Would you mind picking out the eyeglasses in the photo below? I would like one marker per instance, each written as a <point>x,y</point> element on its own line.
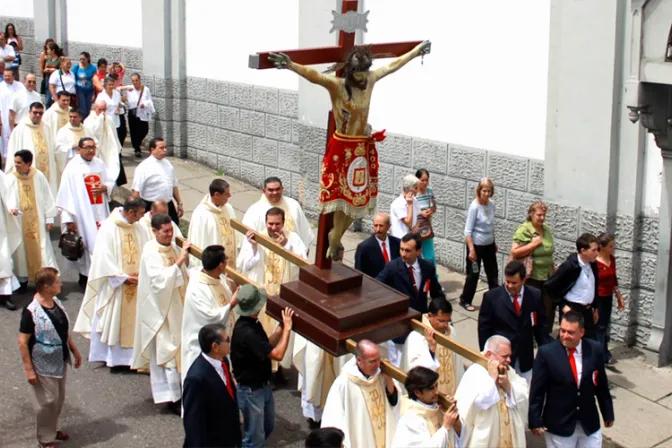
<point>88,148</point>
<point>36,113</point>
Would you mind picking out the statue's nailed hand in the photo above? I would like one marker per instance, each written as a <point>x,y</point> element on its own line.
<point>425,47</point>
<point>280,60</point>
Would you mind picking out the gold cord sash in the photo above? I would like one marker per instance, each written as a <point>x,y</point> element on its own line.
<point>226,234</point>
<point>374,396</point>
<point>30,223</point>
<point>130,264</point>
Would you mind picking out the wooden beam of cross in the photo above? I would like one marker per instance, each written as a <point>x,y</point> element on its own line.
<point>327,55</point>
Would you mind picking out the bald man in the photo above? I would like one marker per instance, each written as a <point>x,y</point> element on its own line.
<point>21,101</point>
<point>158,207</point>
<point>375,252</point>
<point>355,403</point>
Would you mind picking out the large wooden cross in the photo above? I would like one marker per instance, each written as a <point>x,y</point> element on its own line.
<point>327,55</point>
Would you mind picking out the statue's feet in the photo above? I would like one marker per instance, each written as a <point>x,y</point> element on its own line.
<point>336,253</point>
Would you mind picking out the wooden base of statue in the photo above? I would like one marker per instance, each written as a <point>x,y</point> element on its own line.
<point>337,304</point>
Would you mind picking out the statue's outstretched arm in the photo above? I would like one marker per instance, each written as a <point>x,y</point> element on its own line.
<point>421,49</point>
<point>282,61</point>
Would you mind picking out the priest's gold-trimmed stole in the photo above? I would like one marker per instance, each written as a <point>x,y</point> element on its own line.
<point>169,256</point>
<point>374,395</point>
<point>446,371</point>
<point>30,222</point>
<point>219,293</point>
<point>226,233</point>
<point>130,264</point>
<point>41,150</point>
<point>289,225</point>
<point>505,427</point>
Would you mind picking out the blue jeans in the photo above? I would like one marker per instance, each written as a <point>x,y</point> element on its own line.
<point>428,252</point>
<point>258,410</point>
<point>84,99</point>
<point>604,306</point>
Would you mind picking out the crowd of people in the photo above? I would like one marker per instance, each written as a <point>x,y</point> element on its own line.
<point>212,353</point>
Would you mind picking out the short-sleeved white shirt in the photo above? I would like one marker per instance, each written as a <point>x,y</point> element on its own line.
<point>154,179</point>
<point>20,103</point>
<point>398,211</point>
<point>8,50</point>
<point>112,105</point>
<point>68,81</point>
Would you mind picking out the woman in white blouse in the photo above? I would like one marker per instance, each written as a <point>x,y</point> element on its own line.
<point>64,80</point>
<point>140,110</point>
<point>112,98</point>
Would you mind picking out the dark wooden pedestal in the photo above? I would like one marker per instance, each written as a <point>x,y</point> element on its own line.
<point>333,305</point>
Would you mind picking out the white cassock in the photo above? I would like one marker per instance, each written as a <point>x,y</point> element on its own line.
<point>20,103</point>
<point>207,302</point>
<point>69,136</point>
<point>77,204</point>
<point>211,225</point>
<point>295,219</point>
<point>31,195</point>
<point>7,91</point>
<point>445,362</point>
<point>421,425</point>
<point>36,139</point>
<point>107,142</point>
<point>359,407</point>
<point>146,224</point>
<point>56,118</point>
<point>270,270</point>
<point>491,417</point>
<point>158,326</point>
<point>108,310</point>
<point>10,238</point>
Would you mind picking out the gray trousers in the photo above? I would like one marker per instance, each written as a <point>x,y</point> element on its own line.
<point>49,397</point>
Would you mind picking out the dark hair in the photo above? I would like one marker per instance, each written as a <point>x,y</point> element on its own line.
<point>210,334</point>
<point>584,241</point>
<point>440,304</point>
<point>136,74</point>
<point>13,44</point>
<point>420,172</point>
<point>153,143</point>
<point>61,93</point>
<point>45,277</point>
<point>514,267</point>
<point>46,44</point>
<point>25,155</point>
<point>419,379</point>
<point>574,317</point>
<point>87,55</point>
<point>53,46</point>
<point>213,256</point>
<point>218,186</point>
<point>83,140</point>
<point>74,110</point>
<point>413,236</point>
<point>109,79</point>
<point>325,438</point>
<point>36,105</point>
<point>134,203</point>
<point>272,180</point>
<point>605,238</point>
<point>159,220</point>
<point>101,61</point>
<point>275,211</point>
<point>7,30</point>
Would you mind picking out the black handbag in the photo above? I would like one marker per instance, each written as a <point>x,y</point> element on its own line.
<point>71,245</point>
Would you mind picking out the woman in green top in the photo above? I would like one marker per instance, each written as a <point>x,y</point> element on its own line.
<point>534,238</point>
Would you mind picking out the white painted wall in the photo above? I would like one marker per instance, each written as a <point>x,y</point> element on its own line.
<point>222,34</point>
<point>653,173</point>
<point>484,84</point>
<point>100,22</point>
<point>17,8</point>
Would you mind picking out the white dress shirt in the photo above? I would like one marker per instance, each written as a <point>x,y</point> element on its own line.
<point>132,98</point>
<point>217,365</point>
<point>583,291</point>
<point>155,179</point>
<point>68,81</point>
<point>112,105</point>
<point>387,246</point>
<point>416,273</point>
<point>579,361</point>
<point>520,297</point>
<point>398,211</point>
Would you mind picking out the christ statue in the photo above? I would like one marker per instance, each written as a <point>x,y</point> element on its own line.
<point>349,174</point>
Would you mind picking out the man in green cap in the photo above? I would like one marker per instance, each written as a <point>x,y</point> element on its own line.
<point>251,354</point>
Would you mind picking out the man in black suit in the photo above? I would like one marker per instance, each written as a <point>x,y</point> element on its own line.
<point>568,375</point>
<point>575,283</point>
<point>517,313</point>
<point>211,417</point>
<point>374,253</point>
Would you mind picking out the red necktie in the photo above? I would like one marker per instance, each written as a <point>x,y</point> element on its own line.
<point>516,305</point>
<point>386,256</point>
<point>415,287</point>
<point>229,386</point>
<point>572,364</point>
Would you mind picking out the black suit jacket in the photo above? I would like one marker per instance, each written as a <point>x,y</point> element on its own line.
<point>211,416</point>
<point>556,402</point>
<point>564,278</point>
<point>497,316</point>
<point>396,275</point>
<point>369,258</point>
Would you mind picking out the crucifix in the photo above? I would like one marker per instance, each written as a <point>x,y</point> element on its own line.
<point>349,174</point>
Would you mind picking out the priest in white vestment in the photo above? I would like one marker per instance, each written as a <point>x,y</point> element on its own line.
<point>423,350</point>
<point>108,310</point>
<point>158,207</point>
<point>493,402</point>
<point>422,423</point>
<point>29,198</point>
<point>363,402</point>
<point>8,88</point>
<point>208,301</point>
<point>211,222</point>
<point>32,134</point>
<point>103,130</point>
<point>162,286</point>
<point>21,100</point>
<point>56,117</point>
<point>295,218</point>
<point>68,137</point>
<point>269,269</point>
<point>83,200</point>
<point>10,238</point>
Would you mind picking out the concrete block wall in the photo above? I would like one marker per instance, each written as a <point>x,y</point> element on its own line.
<point>130,57</point>
<point>25,28</point>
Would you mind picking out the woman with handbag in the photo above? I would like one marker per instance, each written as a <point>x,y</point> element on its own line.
<point>140,109</point>
<point>63,80</point>
<point>50,61</point>
<point>533,244</point>
<point>427,201</point>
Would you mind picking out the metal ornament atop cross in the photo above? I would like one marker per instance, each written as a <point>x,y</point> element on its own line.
<point>349,22</point>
